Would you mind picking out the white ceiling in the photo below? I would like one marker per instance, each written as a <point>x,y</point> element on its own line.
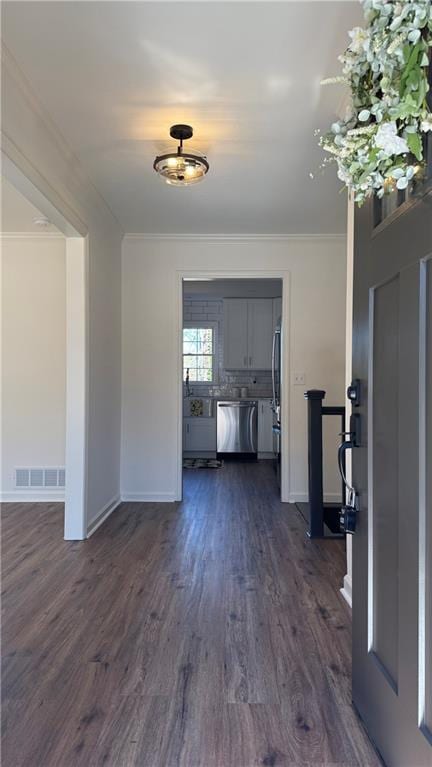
<point>115,76</point>
<point>17,213</point>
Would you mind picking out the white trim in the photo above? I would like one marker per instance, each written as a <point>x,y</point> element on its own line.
<point>77,386</point>
<point>103,514</point>
<point>32,236</point>
<point>346,590</point>
<point>148,497</point>
<point>231,237</point>
<point>32,496</point>
<point>197,274</point>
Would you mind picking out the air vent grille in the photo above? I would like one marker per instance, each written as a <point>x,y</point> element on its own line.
<point>36,477</point>
<point>22,478</point>
<point>40,477</point>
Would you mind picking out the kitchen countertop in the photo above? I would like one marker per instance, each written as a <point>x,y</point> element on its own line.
<point>210,404</point>
<point>228,398</point>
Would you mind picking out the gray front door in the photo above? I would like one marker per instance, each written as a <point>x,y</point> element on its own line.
<point>392,470</point>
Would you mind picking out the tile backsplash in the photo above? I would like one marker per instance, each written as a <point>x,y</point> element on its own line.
<point>258,382</point>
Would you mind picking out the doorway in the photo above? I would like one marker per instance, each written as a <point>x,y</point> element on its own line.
<point>233,359</point>
<point>50,464</point>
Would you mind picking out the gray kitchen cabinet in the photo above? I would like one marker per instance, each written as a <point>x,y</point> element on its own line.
<point>199,435</point>
<point>235,334</point>
<point>265,424</point>
<point>260,333</point>
<point>248,332</point>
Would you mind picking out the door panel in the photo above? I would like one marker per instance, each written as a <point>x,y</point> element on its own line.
<point>392,353</point>
<point>425,467</point>
<point>385,423</point>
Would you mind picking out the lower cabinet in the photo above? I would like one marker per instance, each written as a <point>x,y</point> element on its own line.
<point>265,426</point>
<point>199,435</point>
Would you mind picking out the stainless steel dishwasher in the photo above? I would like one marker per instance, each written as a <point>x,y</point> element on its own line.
<point>237,426</point>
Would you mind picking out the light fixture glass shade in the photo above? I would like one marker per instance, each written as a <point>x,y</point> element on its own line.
<point>181,169</point>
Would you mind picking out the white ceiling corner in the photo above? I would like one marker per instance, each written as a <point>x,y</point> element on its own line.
<point>248,82</point>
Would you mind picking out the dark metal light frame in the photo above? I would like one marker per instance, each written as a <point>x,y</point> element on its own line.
<point>182,133</point>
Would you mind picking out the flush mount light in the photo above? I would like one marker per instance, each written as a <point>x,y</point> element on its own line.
<point>42,221</point>
<point>181,168</point>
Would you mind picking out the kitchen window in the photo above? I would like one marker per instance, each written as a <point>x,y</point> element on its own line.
<point>199,345</point>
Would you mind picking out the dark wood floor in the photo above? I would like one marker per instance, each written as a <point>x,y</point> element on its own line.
<point>205,634</point>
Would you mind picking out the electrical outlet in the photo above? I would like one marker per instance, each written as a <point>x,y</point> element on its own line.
<point>299,379</point>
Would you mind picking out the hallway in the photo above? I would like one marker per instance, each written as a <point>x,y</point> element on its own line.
<point>204,634</point>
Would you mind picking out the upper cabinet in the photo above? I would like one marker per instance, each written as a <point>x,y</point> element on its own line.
<point>235,333</point>
<point>260,333</point>
<point>248,333</point>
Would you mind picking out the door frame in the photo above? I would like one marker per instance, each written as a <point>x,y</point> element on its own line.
<point>425,569</point>
<point>29,182</point>
<point>235,274</point>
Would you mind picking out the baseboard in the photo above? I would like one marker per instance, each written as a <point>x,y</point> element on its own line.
<point>346,590</point>
<point>33,496</point>
<point>304,498</point>
<point>103,514</point>
<point>147,497</point>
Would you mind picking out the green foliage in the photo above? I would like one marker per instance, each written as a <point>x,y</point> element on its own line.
<point>378,145</point>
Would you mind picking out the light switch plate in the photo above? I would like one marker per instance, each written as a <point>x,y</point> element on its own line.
<point>299,379</point>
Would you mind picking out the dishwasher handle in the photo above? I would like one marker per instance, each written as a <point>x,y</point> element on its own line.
<point>237,404</point>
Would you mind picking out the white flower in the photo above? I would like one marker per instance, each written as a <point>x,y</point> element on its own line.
<point>387,139</point>
<point>371,145</point>
<point>426,124</point>
<point>344,176</point>
<point>359,40</point>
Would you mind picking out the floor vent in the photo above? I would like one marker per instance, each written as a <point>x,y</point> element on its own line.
<point>36,477</point>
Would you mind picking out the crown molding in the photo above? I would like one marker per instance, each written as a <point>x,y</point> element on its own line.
<point>234,237</point>
<point>16,154</point>
<point>32,236</point>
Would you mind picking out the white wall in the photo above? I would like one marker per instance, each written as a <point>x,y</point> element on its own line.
<point>32,142</point>
<point>33,357</point>
<point>149,354</point>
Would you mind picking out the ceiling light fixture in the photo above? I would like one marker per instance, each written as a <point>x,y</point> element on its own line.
<point>42,221</point>
<point>181,168</point>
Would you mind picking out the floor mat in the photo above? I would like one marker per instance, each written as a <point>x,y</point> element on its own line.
<point>202,463</point>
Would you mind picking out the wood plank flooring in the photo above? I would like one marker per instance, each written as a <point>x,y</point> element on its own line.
<point>204,634</point>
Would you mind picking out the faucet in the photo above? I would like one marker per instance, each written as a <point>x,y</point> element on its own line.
<point>188,388</point>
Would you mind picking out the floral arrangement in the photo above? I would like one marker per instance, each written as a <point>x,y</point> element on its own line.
<point>379,144</point>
